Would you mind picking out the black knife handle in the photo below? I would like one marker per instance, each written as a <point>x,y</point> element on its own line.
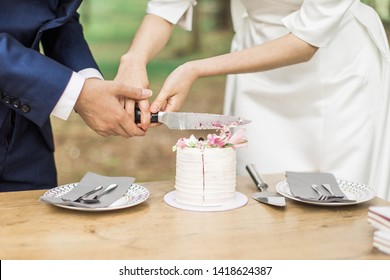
<point>137,116</point>
<point>256,177</point>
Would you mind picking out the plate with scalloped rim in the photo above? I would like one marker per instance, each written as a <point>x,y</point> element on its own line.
<point>135,195</point>
<point>354,191</point>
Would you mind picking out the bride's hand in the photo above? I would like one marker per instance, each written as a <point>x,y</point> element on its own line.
<point>175,89</point>
<point>132,72</point>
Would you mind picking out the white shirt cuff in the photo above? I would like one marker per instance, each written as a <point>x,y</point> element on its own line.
<point>72,91</point>
<point>177,12</point>
<point>91,73</point>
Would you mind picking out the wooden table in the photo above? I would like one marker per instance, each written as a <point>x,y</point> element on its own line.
<point>31,229</point>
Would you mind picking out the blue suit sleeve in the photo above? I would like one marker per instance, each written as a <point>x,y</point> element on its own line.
<point>37,80</point>
<point>66,44</point>
<point>32,78</point>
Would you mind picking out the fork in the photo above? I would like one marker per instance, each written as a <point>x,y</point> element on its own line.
<point>320,195</point>
<point>97,197</point>
<point>323,197</point>
<point>328,188</point>
<point>80,198</point>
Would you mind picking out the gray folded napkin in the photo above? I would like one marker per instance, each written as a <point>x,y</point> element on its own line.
<point>89,182</point>
<point>300,184</point>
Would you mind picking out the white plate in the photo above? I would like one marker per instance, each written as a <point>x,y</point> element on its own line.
<point>354,191</point>
<point>134,196</point>
<point>239,201</point>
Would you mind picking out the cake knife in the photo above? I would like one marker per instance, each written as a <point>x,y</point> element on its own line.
<point>185,120</point>
<point>264,195</point>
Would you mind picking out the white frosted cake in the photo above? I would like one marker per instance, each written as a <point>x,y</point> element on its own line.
<point>206,170</point>
<point>205,177</point>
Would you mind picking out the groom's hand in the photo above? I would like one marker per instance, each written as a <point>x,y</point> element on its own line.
<point>99,106</point>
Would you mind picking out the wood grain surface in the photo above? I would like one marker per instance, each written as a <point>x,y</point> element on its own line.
<point>31,229</point>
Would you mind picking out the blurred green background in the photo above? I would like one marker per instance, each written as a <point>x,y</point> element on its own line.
<point>109,28</point>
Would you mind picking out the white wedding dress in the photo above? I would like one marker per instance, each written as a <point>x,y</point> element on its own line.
<point>329,114</point>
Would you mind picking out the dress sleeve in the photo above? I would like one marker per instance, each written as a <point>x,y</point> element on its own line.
<point>317,21</point>
<point>178,12</point>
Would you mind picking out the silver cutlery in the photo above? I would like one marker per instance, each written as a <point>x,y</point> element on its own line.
<point>329,199</point>
<point>97,197</point>
<point>328,188</point>
<point>80,198</point>
<point>186,120</point>
<point>322,197</point>
<point>264,195</point>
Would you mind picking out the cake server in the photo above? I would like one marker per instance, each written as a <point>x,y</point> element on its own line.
<point>185,120</point>
<point>264,196</point>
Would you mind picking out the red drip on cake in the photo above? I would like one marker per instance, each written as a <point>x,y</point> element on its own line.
<point>203,174</point>
<point>206,169</point>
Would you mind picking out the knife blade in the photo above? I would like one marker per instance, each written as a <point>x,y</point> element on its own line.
<point>185,120</point>
<point>264,196</point>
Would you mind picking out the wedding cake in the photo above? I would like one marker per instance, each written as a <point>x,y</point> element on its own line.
<point>206,169</point>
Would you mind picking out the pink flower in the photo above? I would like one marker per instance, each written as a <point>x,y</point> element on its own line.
<point>181,143</point>
<point>225,139</point>
<point>238,139</point>
<point>221,144</point>
<point>213,140</point>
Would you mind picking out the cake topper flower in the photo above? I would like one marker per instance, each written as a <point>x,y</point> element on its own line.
<point>224,139</point>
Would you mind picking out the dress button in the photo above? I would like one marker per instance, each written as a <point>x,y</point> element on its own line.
<point>16,103</point>
<point>7,99</point>
<point>25,108</point>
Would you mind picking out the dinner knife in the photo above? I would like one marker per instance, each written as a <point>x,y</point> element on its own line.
<point>185,120</point>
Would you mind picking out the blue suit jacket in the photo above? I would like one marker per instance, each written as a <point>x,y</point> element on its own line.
<point>32,83</point>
